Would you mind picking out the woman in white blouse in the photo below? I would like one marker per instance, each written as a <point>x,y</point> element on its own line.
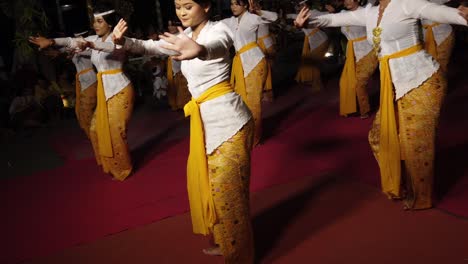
<point>86,85</point>
<point>360,64</point>
<point>115,94</point>
<point>315,46</point>
<point>221,128</point>
<point>411,80</point>
<point>249,68</point>
<point>439,39</point>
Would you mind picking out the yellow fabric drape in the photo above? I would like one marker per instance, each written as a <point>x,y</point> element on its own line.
<point>389,156</point>
<point>430,44</point>
<point>348,80</point>
<point>202,208</point>
<point>102,119</point>
<point>78,90</point>
<point>237,72</point>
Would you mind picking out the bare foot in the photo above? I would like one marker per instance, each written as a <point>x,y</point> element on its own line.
<point>213,251</point>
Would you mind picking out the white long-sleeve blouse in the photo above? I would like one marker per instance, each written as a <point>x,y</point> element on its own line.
<point>223,116</point>
<point>82,61</point>
<point>264,34</point>
<point>361,48</point>
<point>244,30</point>
<point>103,61</point>
<point>400,30</point>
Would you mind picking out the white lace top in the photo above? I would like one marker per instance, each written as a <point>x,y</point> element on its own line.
<point>400,30</point>
<point>263,34</point>
<point>319,37</point>
<point>361,48</point>
<point>223,116</point>
<point>103,61</point>
<point>82,61</point>
<point>244,32</point>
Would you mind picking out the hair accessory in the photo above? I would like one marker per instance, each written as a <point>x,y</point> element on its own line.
<point>104,13</point>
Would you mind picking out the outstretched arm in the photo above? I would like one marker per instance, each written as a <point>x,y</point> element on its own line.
<point>147,47</point>
<point>351,18</point>
<point>435,12</point>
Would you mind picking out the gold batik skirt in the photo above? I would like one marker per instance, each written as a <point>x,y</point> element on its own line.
<point>183,94</point>
<point>254,83</point>
<point>365,67</point>
<point>444,52</point>
<point>229,173</point>
<point>85,111</point>
<point>418,116</point>
<point>119,109</point>
<point>268,87</point>
<point>172,95</point>
<point>309,72</point>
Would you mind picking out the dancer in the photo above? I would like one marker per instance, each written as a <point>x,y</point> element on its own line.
<point>315,46</point>
<point>86,85</point>
<point>360,64</point>
<point>115,94</point>
<point>407,134</point>
<point>249,67</point>
<point>221,130</point>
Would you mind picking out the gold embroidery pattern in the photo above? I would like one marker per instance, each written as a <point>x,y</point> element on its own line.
<point>377,32</point>
<point>229,172</point>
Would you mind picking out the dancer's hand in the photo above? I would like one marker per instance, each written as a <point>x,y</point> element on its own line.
<point>463,12</point>
<point>119,31</point>
<point>182,44</point>
<point>42,42</point>
<point>302,17</point>
<point>254,7</point>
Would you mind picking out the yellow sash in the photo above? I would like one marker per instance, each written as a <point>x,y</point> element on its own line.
<point>237,72</point>
<point>202,207</point>
<point>102,119</point>
<point>430,44</point>
<point>389,150</point>
<point>268,84</point>
<point>78,90</point>
<point>348,80</point>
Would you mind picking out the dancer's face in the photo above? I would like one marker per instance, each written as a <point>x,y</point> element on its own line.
<point>238,8</point>
<point>101,27</point>
<point>351,4</point>
<point>190,13</point>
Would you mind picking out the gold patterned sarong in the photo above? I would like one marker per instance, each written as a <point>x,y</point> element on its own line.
<point>269,53</point>
<point>85,105</point>
<point>365,67</point>
<point>119,109</point>
<point>183,94</point>
<point>444,52</point>
<point>254,86</point>
<point>418,116</point>
<point>229,173</point>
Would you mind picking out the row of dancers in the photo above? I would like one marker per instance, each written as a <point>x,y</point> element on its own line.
<point>225,109</point>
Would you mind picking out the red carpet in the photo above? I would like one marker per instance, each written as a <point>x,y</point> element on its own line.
<point>77,203</point>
